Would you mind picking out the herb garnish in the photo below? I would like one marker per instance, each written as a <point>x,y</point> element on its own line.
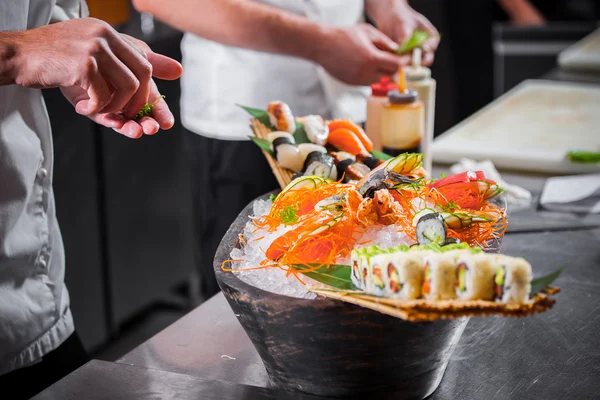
<point>450,206</point>
<point>272,197</point>
<point>289,215</point>
<point>584,156</point>
<point>147,109</point>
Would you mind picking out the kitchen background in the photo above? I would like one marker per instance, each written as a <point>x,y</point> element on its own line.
<point>125,206</point>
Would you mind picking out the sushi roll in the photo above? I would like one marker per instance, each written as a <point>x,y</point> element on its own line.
<point>404,275</point>
<point>307,148</point>
<point>281,116</point>
<point>475,277</point>
<point>512,280</point>
<point>316,129</point>
<point>439,282</point>
<point>377,264</point>
<point>431,229</point>
<point>321,165</point>
<point>285,151</point>
<point>348,167</point>
<point>359,261</point>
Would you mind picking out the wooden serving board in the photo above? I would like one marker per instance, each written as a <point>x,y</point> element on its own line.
<point>531,127</point>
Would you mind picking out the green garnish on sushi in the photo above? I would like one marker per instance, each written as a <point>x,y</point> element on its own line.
<point>590,157</point>
<point>289,215</point>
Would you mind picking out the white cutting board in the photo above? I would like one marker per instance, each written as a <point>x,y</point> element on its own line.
<point>531,127</point>
<point>583,55</point>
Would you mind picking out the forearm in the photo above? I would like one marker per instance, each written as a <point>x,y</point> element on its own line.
<point>515,8</point>
<point>8,55</point>
<point>377,9</point>
<point>242,23</point>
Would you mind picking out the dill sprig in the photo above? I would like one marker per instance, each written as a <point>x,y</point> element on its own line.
<point>147,109</point>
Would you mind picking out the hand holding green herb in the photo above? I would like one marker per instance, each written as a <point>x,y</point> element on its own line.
<point>147,109</point>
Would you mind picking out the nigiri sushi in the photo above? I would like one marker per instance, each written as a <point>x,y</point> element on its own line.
<point>315,128</point>
<point>346,165</point>
<point>307,148</point>
<point>345,140</point>
<point>285,150</point>
<point>281,116</point>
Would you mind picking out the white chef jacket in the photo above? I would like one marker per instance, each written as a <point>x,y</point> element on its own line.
<point>217,77</point>
<point>35,317</point>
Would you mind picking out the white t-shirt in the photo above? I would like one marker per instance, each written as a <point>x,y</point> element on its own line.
<point>217,77</point>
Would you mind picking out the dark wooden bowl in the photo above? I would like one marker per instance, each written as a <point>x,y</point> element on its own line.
<point>329,348</point>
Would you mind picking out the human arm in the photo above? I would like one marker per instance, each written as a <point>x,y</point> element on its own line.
<point>357,55</point>
<point>398,20</point>
<point>522,12</point>
<point>100,71</point>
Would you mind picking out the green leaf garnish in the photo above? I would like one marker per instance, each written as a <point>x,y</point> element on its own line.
<point>443,175</point>
<point>337,276</point>
<point>300,134</point>
<point>591,157</point>
<point>381,155</point>
<point>450,206</point>
<point>289,215</point>
<point>539,284</point>
<point>147,109</point>
<point>272,197</point>
<point>264,144</point>
<point>417,39</point>
<point>261,115</point>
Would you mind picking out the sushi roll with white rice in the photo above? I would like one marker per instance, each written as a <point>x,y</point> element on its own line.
<point>316,129</point>
<point>430,228</point>
<point>281,116</point>
<point>285,150</point>
<point>377,264</point>
<point>321,165</point>
<point>404,275</point>
<point>475,276</point>
<point>356,259</point>
<point>307,148</point>
<point>439,282</point>
<point>512,281</point>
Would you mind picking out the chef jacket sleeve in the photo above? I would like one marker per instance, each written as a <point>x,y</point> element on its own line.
<point>69,9</point>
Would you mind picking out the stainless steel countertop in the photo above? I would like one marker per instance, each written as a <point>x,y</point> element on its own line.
<point>553,355</point>
<point>101,380</point>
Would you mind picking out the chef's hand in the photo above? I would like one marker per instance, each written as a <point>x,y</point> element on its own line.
<point>99,70</point>
<point>359,55</point>
<point>522,12</point>
<point>398,20</point>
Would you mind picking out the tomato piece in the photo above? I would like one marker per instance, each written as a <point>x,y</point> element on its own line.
<point>464,194</point>
<point>463,177</point>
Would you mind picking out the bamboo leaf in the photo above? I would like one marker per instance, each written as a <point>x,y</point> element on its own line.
<point>337,276</point>
<point>381,155</point>
<point>261,115</point>
<point>300,134</point>
<point>590,157</point>
<point>264,144</point>
<point>539,284</point>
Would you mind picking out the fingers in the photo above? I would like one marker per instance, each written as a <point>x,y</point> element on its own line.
<point>434,40</point>
<point>134,59</point>
<point>389,63</point>
<point>126,85</point>
<point>98,92</point>
<point>381,40</point>
<point>164,68</point>
<point>161,112</point>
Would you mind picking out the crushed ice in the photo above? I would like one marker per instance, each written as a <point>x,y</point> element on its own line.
<point>274,279</point>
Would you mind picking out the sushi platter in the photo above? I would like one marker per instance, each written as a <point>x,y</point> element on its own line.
<point>439,259</point>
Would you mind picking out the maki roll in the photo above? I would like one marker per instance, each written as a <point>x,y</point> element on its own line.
<point>404,276</point>
<point>321,165</point>
<point>377,264</point>
<point>348,167</point>
<point>439,282</point>
<point>315,128</point>
<point>281,116</point>
<point>475,277</point>
<point>285,151</point>
<point>356,260</point>
<point>512,280</point>
<point>431,229</point>
<point>307,148</point>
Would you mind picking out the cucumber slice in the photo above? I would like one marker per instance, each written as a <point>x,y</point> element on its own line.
<point>420,214</point>
<point>405,163</point>
<point>328,225</point>
<point>303,182</point>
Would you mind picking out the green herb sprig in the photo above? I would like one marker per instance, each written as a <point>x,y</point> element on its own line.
<point>590,157</point>
<point>418,38</point>
<point>147,109</point>
<point>289,215</point>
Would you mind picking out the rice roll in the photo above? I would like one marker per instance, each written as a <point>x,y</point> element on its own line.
<point>281,116</point>
<point>377,264</point>
<point>404,275</point>
<point>316,129</point>
<point>321,165</point>
<point>512,280</point>
<point>475,276</point>
<point>431,229</point>
<point>307,148</point>
<point>285,151</point>
<point>439,282</point>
